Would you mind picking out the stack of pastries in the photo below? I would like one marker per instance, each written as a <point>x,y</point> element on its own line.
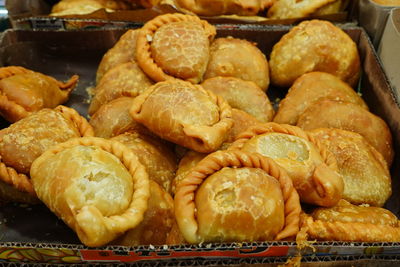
<point>184,146</point>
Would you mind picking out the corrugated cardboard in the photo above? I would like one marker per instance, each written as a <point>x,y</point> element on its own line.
<point>34,234</point>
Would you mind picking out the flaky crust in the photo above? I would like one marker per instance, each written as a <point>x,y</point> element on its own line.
<point>209,131</point>
<point>314,45</point>
<point>348,116</point>
<point>324,187</point>
<point>17,176</point>
<point>93,228</point>
<point>285,9</point>
<point>308,89</point>
<point>146,34</point>
<point>185,195</point>
<point>241,122</point>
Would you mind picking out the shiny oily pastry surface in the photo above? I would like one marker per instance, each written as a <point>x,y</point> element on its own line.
<point>158,159</point>
<point>225,7</point>
<point>314,45</point>
<point>174,46</point>
<point>285,9</point>
<point>233,57</point>
<point>236,196</point>
<point>350,117</point>
<point>364,171</point>
<point>310,165</point>
<point>123,51</point>
<point>308,89</point>
<point>113,119</point>
<point>241,122</point>
<point>347,222</point>
<point>243,95</point>
<point>185,114</point>
<point>80,7</point>
<point>126,79</point>
<point>103,192</point>
<point>24,91</point>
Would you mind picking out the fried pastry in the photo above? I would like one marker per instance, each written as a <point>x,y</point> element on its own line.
<point>126,79</point>
<point>347,222</point>
<point>351,117</point>
<point>174,46</point>
<point>286,9</point>
<point>80,7</point>
<point>122,52</point>
<point>312,168</point>
<point>314,45</point>
<point>158,159</point>
<point>232,57</point>
<point>113,119</point>
<point>308,89</point>
<point>22,142</point>
<point>241,122</point>
<point>185,114</point>
<point>364,171</point>
<point>157,222</point>
<point>24,91</point>
<point>243,95</point>
<point>225,7</point>
<point>237,196</point>
<point>96,186</point>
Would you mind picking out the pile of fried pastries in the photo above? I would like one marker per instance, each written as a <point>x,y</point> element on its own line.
<point>271,9</point>
<point>184,146</point>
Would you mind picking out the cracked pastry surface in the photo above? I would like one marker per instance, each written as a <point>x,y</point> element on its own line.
<point>350,117</point>
<point>103,192</point>
<point>185,114</point>
<point>233,57</point>
<point>314,45</point>
<point>243,95</point>
<point>312,168</point>
<point>364,171</point>
<point>236,196</point>
<point>308,89</point>
<point>241,122</point>
<point>23,91</point>
<point>80,7</point>
<point>285,9</point>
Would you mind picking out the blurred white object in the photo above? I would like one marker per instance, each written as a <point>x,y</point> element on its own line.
<point>389,50</point>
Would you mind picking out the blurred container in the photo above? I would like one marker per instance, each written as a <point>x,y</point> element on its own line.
<point>389,48</point>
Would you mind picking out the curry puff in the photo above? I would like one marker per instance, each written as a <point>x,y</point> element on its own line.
<point>233,57</point>
<point>174,46</point>
<point>96,186</point>
<point>22,142</point>
<point>364,171</point>
<point>243,95</point>
<point>308,89</point>
<point>158,159</point>
<point>314,45</point>
<point>237,196</point>
<point>79,7</point>
<point>312,168</point>
<point>241,122</point>
<point>185,114</point>
<point>24,91</point>
<point>225,7</point>
<point>347,222</point>
<point>351,117</point>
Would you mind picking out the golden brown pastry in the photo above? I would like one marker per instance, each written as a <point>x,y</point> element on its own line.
<point>126,79</point>
<point>158,159</point>
<point>241,122</point>
<point>387,2</point>
<point>347,222</point>
<point>243,95</point>
<point>174,46</point>
<point>157,222</point>
<point>24,91</point>
<point>80,7</point>
<point>96,186</point>
<point>123,51</point>
<point>364,171</point>
<point>113,119</point>
<point>314,45</point>
<point>351,117</point>
<point>308,89</point>
<point>185,114</point>
<point>232,57</point>
<point>286,9</point>
<point>237,196</point>
<point>312,168</point>
<point>22,142</point>
<point>225,7</point>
